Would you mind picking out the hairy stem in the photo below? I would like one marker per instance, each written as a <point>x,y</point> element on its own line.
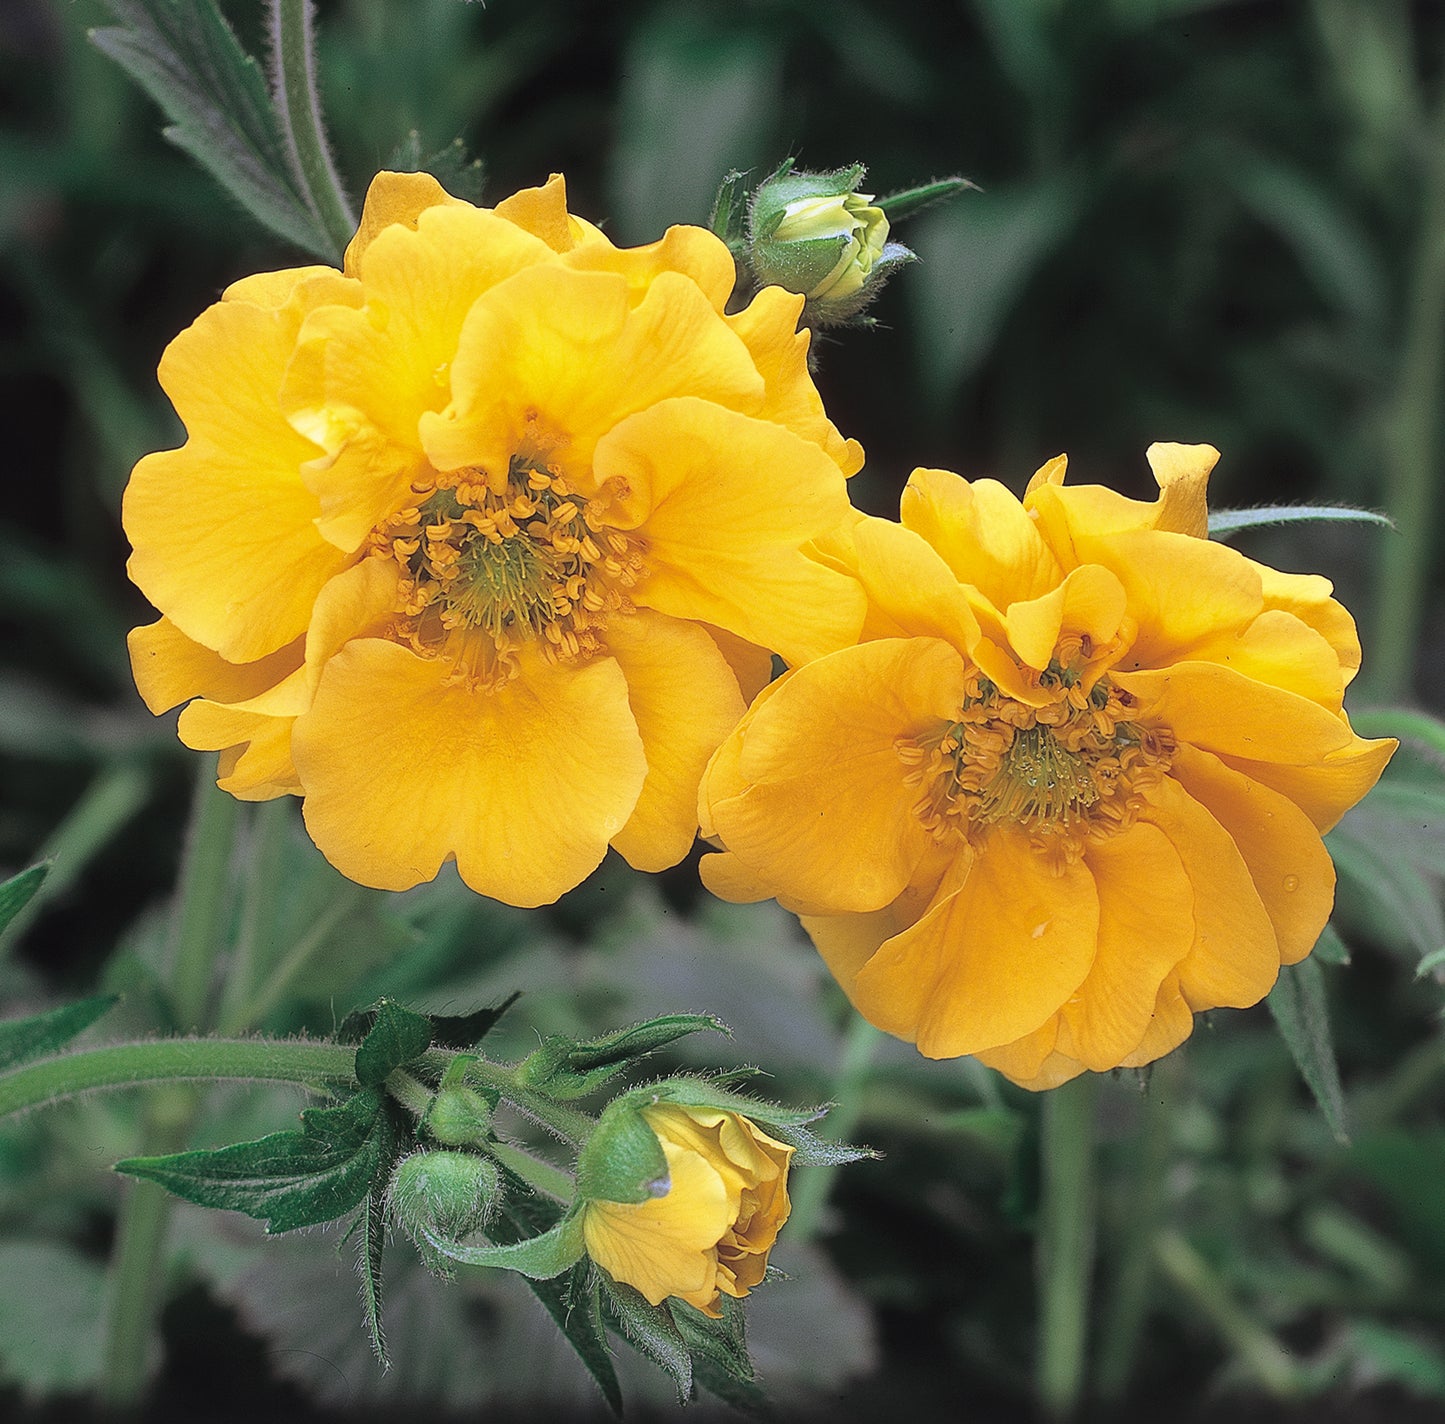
<point>571,1126</point>
<point>298,106</point>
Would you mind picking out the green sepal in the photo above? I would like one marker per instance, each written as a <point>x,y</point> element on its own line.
<point>288,1179</point>
<point>783,186</point>
<point>468,1030</point>
<point>185,56</point>
<point>912,201</point>
<point>17,892</point>
<point>397,1036</point>
<point>729,208</point>
<point>723,1340</point>
<point>453,166</point>
<point>622,1161</point>
<point>368,1267</point>
<point>34,1037</point>
<point>565,1068</point>
<point>1298,1005</point>
<point>1225,522</point>
<point>540,1258</point>
<point>651,1330</point>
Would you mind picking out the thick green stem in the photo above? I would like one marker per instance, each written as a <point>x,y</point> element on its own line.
<point>810,1197</point>
<point>573,1127</point>
<point>299,108</point>
<point>1412,447</point>
<point>1067,1211</point>
<point>161,1060</point>
<point>550,1180</point>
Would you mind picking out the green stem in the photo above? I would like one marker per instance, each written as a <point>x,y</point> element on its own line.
<point>573,1127</point>
<point>1067,1212</point>
<point>162,1060</point>
<point>1412,447</point>
<point>411,1093</point>
<point>299,109</point>
<point>551,1181</point>
<point>104,807</point>
<point>255,935</point>
<point>205,891</point>
<point>1192,1275</point>
<point>854,1066</point>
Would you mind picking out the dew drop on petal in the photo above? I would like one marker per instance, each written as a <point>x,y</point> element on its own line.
<point>1291,882</point>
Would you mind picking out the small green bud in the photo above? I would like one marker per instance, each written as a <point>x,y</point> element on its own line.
<point>451,1194</point>
<point>814,233</point>
<point>459,1116</point>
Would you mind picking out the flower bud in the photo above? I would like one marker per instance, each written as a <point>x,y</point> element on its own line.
<point>450,1194</point>
<point>814,233</point>
<point>705,1227</point>
<point>459,1116</point>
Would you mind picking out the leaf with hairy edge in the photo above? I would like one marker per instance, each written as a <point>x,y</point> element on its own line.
<point>540,1258</point>
<point>468,1030</point>
<point>17,892</point>
<point>24,1039</point>
<point>651,1331</point>
<point>565,1068</point>
<point>187,59</point>
<point>724,1341</point>
<point>1225,522</point>
<point>368,1267</point>
<point>1298,1005</point>
<point>288,1179</point>
<point>397,1037</point>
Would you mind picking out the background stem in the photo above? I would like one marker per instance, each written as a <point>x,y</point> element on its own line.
<point>1067,1211</point>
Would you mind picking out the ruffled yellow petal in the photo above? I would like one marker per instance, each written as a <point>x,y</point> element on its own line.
<point>726,551</point>
<point>1291,870</point>
<point>836,722</point>
<point>1182,472</point>
<point>752,666</point>
<point>768,326</point>
<point>1004,945</point>
<point>170,669</point>
<point>1146,927</point>
<point>524,786</point>
<point>1326,788</point>
<point>664,1246</point>
<point>554,359</point>
<point>362,379</point>
<point>1172,1023</point>
<point>256,760</point>
<point>1054,1070</point>
<point>1282,650</point>
<point>692,251</point>
<point>1234,959</point>
<point>983,533</point>
<point>911,591</point>
<point>275,289</point>
<point>1308,597</point>
<point>394,198</point>
<point>1223,711</point>
<point>223,529</point>
<point>1090,601</point>
<point>543,213</point>
<point>685,700</point>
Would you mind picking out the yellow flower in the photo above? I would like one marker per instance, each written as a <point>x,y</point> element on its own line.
<point>479,544</point>
<point>1070,788</point>
<point>847,223</point>
<point>710,1233</point>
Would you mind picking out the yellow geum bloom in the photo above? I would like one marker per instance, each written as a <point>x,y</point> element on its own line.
<point>1070,788</point>
<point>710,1233</point>
<point>479,544</point>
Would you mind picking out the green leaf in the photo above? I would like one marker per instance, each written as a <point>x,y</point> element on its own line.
<point>651,1330</point>
<point>368,1267</point>
<point>1225,522</point>
<point>724,1341</point>
<point>397,1037</point>
<point>24,1039</point>
<point>1412,1360</point>
<point>288,1179</point>
<point>186,57</point>
<point>1330,948</point>
<point>904,205</point>
<point>537,1257</point>
<point>1298,1005</point>
<point>565,1068</point>
<point>468,1030</point>
<point>18,891</point>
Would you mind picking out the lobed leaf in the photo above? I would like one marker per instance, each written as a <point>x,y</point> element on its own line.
<point>188,60</point>
<point>24,1039</point>
<point>468,1030</point>
<point>288,1179</point>
<point>397,1036</point>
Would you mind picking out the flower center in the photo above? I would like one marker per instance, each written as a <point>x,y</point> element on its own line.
<point>1072,769</point>
<point>486,570</point>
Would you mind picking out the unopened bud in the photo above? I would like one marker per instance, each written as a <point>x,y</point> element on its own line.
<point>459,1116</point>
<point>450,1194</point>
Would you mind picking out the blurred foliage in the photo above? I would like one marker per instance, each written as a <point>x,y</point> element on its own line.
<point>1200,220</point>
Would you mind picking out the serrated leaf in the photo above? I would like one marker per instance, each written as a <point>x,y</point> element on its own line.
<point>17,892</point>
<point>288,1179</point>
<point>468,1030</point>
<point>368,1267</point>
<point>537,1257</point>
<point>397,1037</point>
<point>724,1339</point>
<point>1225,522</point>
<point>188,60</point>
<point>1298,1005</point>
<point>24,1039</point>
<point>651,1330</point>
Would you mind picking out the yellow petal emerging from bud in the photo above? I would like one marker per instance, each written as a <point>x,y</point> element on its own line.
<point>849,220</point>
<point>710,1233</point>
